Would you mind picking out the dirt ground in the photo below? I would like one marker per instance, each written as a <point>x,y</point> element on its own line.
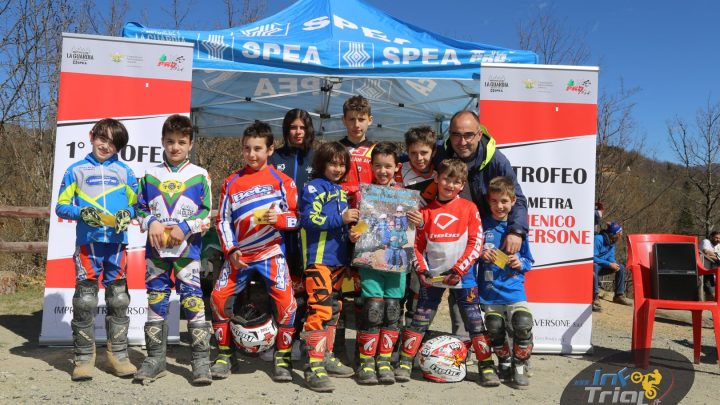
<point>33,374</point>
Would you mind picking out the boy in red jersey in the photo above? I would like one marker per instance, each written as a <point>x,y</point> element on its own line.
<point>447,248</point>
<point>256,203</point>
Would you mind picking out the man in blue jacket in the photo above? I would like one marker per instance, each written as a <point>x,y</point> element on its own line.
<point>604,262</point>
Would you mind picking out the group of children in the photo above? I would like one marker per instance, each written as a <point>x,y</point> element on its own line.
<point>257,203</point>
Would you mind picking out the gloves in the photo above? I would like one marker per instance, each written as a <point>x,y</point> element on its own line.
<point>91,216</point>
<point>452,278</point>
<point>122,221</point>
<point>423,280</point>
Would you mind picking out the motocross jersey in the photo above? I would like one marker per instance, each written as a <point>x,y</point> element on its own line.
<point>176,195</point>
<point>242,197</point>
<point>502,286</point>
<point>109,186</point>
<point>324,235</point>
<point>424,183</point>
<point>451,238</point>
<point>359,170</point>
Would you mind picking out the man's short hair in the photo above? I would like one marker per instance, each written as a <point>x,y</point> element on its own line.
<point>424,135</point>
<point>713,233</point>
<point>326,153</point>
<point>178,123</point>
<point>454,169</point>
<point>357,103</point>
<point>116,129</point>
<point>461,112</point>
<point>502,185</point>
<point>259,130</point>
<point>385,148</point>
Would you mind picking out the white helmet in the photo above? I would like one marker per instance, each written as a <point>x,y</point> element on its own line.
<point>442,359</point>
<point>252,330</point>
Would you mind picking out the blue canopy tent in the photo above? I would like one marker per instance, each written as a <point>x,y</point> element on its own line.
<point>317,53</point>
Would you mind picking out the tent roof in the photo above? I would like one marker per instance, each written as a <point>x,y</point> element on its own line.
<point>335,37</point>
<point>317,53</point>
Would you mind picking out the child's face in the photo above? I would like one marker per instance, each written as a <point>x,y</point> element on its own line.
<point>500,205</point>
<point>335,169</point>
<point>384,168</point>
<point>255,152</point>
<point>357,124</point>
<point>177,147</point>
<point>102,146</point>
<point>296,135</point>
<point>448,187</point>
<point>420,156</point>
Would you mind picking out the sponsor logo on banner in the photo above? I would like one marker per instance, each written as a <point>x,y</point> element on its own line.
<point>375,88</point>
<point>176,63</point>
<point>117,57</point>
<point>616,380</point>
<point>496,83</point>
<point>538,85</point>
<point>354,55</point>
<point>215,46</point>
<point>578,87</point>
<point>267,30</point>
<point>80,55</point>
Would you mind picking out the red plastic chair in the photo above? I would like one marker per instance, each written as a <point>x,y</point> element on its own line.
<point>640,247</point>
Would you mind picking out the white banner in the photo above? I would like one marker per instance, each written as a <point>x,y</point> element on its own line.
<point>544,119</point>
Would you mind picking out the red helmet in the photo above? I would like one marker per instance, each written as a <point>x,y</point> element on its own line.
<point>442,359</point>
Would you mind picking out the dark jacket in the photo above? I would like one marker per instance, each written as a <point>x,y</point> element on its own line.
<point>486,164</point>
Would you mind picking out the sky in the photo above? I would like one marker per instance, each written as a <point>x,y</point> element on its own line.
<point>668,50</point>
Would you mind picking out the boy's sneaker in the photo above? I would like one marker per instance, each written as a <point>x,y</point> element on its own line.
<point>620,299</point>
<point>596,305</point>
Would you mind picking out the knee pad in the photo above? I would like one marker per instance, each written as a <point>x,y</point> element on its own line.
<point>85,301</point>
<point>495,325</point>
<point>373,310</point>
<point>117,298</point>
<point>522,323</point>
<point>393,310</point>
<point>336,301</point>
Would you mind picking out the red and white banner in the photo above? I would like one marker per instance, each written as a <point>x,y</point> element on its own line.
<point>544,119</point>
<point>140,83</point>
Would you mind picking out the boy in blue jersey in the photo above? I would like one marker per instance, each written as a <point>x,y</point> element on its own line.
<point>324,218</point>
<point>174,205</point>
<point>502,293</point>
<point>99,192</point>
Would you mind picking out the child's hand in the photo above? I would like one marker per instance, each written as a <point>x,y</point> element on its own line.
<point>155,235</point>
<point>415,218</point>
<point>236,262</point>
<point>453,278</point>
<point>489,255</point>
<point>514,262</point>
<point>91,216</point>
<point>350,215</point>
<point>270,216</point>
<point>423,280</point>
<point>354,236</point>
<point>176,236</point>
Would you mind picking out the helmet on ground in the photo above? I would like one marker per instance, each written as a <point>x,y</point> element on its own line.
<point>253,330</point>
<point>442,359</point>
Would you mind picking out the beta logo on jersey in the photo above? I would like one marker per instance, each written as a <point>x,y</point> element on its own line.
<point>171,187</point>
<point>256,191</point>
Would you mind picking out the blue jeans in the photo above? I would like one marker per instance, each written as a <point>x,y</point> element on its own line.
<point>599,270</point>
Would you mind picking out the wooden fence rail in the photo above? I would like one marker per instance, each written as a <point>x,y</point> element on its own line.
<point>24,212</point>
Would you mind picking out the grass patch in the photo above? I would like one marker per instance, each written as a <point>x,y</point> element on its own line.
<point>28,298</point>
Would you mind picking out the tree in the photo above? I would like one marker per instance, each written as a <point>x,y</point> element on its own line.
<point>554,40</point>
<point>246,12</point>
<point>698,149</point>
